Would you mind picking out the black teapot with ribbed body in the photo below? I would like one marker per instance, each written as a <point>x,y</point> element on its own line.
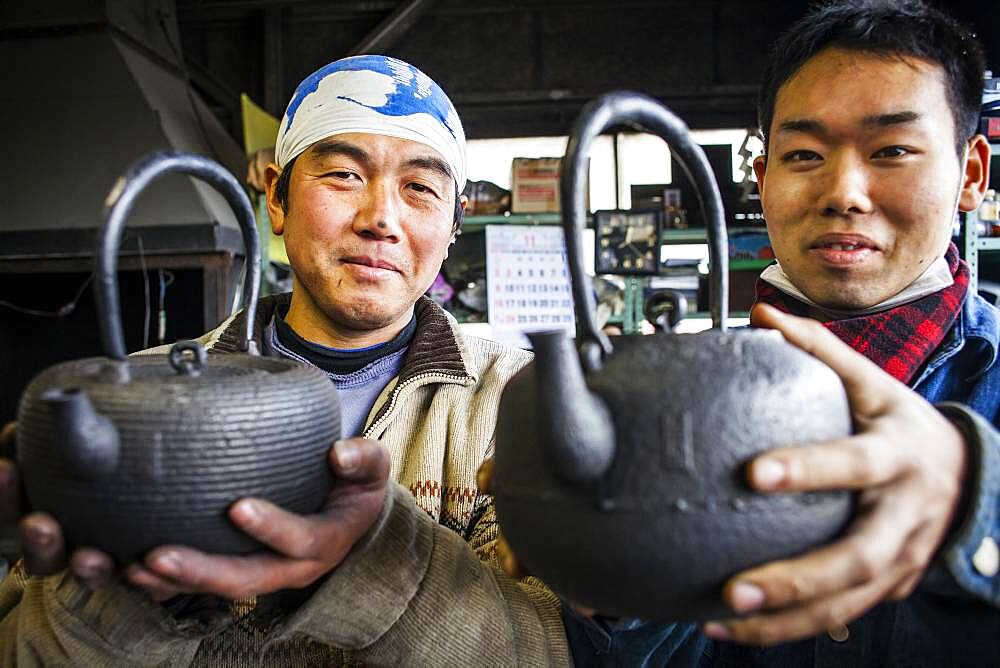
<point>129,453</point>
<point>620,468</point>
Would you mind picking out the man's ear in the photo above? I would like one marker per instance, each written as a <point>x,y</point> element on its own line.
<point>977,174</point>
<point>759,169</point>
<point>274,209</point>
<point>463,201</point>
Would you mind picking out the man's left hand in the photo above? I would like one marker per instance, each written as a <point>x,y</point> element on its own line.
<point>907,463</point>
<point>304,548</point>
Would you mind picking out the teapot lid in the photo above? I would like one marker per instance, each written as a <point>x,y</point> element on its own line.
<point>177,371</point>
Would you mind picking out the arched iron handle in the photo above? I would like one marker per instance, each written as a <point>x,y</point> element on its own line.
<point>119,204</point>
<point>646,115</point>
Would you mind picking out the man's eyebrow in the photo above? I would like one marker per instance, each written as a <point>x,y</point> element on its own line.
<point>434,164</point>
<point>328,147</point>
<point>815,127</point>
<point>806,125</point>
<point>886,120</point>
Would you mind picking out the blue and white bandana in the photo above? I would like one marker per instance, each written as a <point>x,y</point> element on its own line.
<point>374,94</point>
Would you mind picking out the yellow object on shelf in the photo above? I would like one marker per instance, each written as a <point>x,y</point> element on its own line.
<point>260,131</point>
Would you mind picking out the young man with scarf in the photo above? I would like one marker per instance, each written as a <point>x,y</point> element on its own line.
<point>870,112</point>
<point>367,194</point>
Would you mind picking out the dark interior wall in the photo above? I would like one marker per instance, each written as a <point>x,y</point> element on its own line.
<point>519,67</point>
<point>32,342</point>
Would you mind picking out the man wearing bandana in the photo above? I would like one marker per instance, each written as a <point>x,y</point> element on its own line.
<point>366,191</point>
<point>870,110</point>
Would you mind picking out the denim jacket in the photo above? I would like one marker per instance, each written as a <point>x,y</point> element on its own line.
<point>953,618</point>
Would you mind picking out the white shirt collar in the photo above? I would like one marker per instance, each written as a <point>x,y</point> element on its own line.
<point>936,277</point>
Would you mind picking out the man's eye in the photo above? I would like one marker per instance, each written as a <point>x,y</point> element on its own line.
<point>891,152</point>
<point>421,188</point>
<point>342,174</point>
<point>800,156</point>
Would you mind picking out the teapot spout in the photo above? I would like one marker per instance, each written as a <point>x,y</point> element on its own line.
<point>577,431</point>
<point>87,440</point>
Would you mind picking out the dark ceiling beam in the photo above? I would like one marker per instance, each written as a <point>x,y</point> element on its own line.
<point>311,10</point>
<point>218,93</point>
<point>188,5</point>
<point>454,6</point>
<point>552,112</point>
<point>221,11</point>
<point>557,120</point>
<point>736,94</point>
<point>394,26</point>
<point>274,60</point>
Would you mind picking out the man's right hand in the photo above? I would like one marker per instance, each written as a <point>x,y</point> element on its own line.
<point>40,535</point>
<point>508,560</point>
<point>10,502</point>
<point>304,548</point>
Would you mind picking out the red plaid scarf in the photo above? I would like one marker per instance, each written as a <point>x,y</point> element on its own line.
<point>899,339</point>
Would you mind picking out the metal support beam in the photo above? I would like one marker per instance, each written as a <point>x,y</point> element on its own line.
<point>274,60</point>
<point>970,248</point>
<point>394,26</point>
<point>215,92</point>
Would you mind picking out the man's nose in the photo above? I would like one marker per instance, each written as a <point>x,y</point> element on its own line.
<point>378,217</point>
<point>847,188</point>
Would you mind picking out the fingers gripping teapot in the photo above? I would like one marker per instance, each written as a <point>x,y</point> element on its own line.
<point>129,453</point>
<point>619,467</point>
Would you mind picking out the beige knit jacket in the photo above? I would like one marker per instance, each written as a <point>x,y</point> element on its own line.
<point>421,589</point>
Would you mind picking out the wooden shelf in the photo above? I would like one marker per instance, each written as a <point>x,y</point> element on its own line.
<point>477,223</point>
<point>697,235</point>
<point>705,315</point>
<point>668,237</point>
<point>748,265</point>
<point>988,243</point>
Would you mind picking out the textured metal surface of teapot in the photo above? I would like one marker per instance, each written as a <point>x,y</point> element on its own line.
<point>129,453</point>
<point>619,475</point>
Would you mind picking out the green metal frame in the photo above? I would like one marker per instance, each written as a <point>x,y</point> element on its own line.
<point>972,245</point>
<point>632,316</point>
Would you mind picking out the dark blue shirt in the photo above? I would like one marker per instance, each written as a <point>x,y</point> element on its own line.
<point>952,619</point>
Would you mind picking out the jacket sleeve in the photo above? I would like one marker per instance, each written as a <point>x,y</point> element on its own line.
<point>969,555</point>
<point>54,621</point>
<point>416,593</point>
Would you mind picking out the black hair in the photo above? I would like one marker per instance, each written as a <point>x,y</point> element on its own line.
<point>284,179</point>
<point>884,27</point>
<point>283,183</point>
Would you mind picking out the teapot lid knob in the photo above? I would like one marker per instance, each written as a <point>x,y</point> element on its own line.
<point>188,364</point>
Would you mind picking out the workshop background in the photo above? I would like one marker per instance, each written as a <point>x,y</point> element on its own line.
<point>91,86</point>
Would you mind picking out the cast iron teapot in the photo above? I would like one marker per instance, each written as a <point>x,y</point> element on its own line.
<point>619,474</point>
<point>129,453</point>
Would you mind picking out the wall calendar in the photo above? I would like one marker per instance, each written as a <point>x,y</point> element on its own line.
<point>528,282</point>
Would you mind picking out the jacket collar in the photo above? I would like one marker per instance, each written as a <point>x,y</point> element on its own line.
<point>979,320</point>
<point>435,348</point>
